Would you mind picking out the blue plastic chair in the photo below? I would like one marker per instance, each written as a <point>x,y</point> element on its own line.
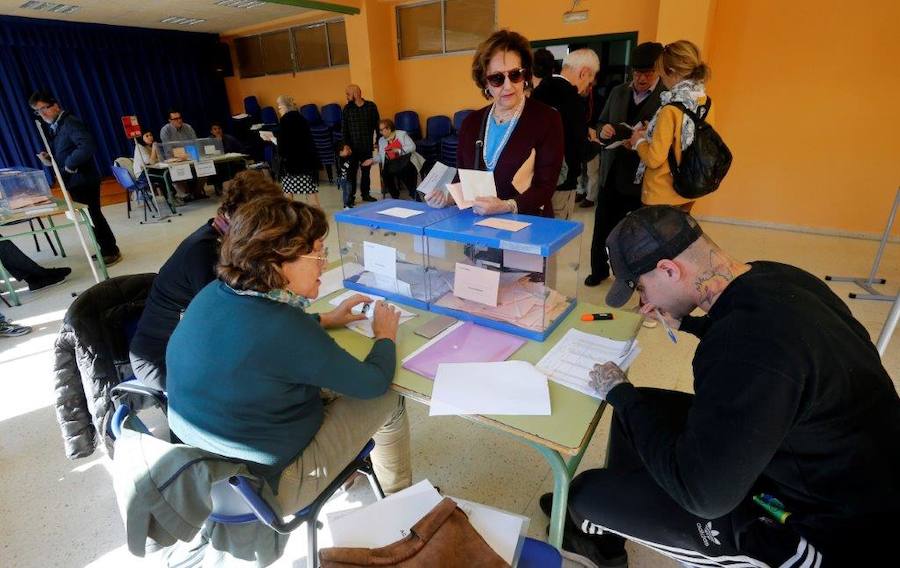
<point>141,190</point>
<point>237,501</point>
<point>538,554</point>
<point>332,115</point>
<point>311,113</point>
<point>408,120</point>
<point>458,118</point>
<point>436,128</point>
<point>268,116</point>
<point>251,106</point>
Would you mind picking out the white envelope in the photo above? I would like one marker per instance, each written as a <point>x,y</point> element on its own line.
<point>380,259</point>
<point>477,284</point>
<point>477,183</point>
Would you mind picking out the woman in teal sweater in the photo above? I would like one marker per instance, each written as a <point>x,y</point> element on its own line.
<point>247,363</point>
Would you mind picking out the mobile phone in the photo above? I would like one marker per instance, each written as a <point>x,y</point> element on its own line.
<point>433,327</point>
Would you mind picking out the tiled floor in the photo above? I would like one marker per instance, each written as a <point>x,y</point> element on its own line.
<point>55,512</point>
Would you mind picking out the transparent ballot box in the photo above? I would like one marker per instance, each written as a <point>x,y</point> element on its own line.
<point>196,150</point>
<point>515,273</point>
<point>383,249</point>
<point>23,187</point>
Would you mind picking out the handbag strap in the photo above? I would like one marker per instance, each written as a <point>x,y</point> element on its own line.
<point>698,118</point>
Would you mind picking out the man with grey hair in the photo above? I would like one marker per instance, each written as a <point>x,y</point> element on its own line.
<point>564,92</point>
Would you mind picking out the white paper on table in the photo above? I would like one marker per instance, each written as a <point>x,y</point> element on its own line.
<point>337,300</point>
<point>504,388</point>
<point>180,172</point>
<point>210,149</point>
<point>571,360</point>
<point>205,168</point>
<point>477,183</point>
<point>615,144</point>
<point>331,281</point>
<point>503,224</point>
<point>364,327</point>
<point>400,212</point>
<point>502,530</point>
<point>439,176</point>
<point>523,261</point>
<point>477,284</point>
<point>380,259</point>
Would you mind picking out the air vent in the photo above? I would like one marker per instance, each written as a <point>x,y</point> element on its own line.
<point>181,21</point>
<point>240,3</point>
<point>52,7</point>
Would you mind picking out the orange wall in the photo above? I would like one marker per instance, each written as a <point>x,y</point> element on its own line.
<point>318,87</point>
<point>542,19</point>
<point>808,110</point>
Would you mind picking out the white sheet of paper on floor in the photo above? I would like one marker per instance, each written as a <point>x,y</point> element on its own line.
<point>503,388</point>
<point>205,168</point>
<point>523,261</point>
<point>570,361</point>
<point>400,212</point>
<point>439,176</point>
<point>389,520</point>
<point>380,259</point>
<point>180,172</point>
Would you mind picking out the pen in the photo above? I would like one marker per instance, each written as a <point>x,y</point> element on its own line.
<point>772,506</point>
<point>596,317</point>
<point>669,331</point>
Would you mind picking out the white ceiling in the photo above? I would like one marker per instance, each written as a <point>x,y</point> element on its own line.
<point>148,13</point>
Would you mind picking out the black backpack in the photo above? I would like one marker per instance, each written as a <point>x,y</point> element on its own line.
<point>705,162</point>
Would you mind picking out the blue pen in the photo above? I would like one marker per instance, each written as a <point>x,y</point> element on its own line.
<point>669,331</point>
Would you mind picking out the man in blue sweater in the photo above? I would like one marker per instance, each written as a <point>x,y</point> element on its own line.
<point>73,147</point>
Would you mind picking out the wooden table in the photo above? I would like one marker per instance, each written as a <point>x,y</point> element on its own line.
<point>562,437</point>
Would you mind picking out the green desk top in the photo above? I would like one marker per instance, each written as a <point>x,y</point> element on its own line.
<point>573,413</point>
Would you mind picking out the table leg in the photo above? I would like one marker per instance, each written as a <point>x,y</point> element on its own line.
<point>62,250</point>
<point>86,222</point>
<point>13,295</point>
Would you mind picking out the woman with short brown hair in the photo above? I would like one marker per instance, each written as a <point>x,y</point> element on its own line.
<point>520,140</point>
<point>247,364</point>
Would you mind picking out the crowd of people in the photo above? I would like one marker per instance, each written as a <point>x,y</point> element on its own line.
<point>786,454</point>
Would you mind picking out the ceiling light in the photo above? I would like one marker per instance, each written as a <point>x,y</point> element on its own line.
<point>53,7</point>
<point>240,3</point>
<point>182,21</point>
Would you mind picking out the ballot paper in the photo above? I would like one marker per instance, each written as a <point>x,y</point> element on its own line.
<point>180,172</point>
<point>205,168</point>
<point>523,261</point>
<point>400,212</point>
<point>389,520</point>
<point>380,259</point>
<point>364,327</point>
<point>455,191</point>
<point>477,183</point>
<point>477,284</point>
<point>439,176</point>
<point>210,149</point>
<point>503,224</point>
<point>571,360</point>
<point>504,388</point>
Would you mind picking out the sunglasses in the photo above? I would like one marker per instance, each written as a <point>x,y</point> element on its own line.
<point>497,79</point>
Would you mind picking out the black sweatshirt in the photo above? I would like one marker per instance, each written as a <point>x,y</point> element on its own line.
<point>791,398</point>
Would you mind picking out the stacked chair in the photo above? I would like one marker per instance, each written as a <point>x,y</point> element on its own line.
<point>450,143</point>
<point>323,136</point>
<point>436,129</point>
<point>408,120</point>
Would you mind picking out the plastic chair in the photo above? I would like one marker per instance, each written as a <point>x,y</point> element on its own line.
<point>538,554</point>
<point>311,113</point>
<point>251,106</point>
<point>408,120</point>
<point>237,501</point>
<point>268,115</point>
<point>332,116</point>
<point>323,137</point>
<point>436,128</point>
<point>458,118</point>
<point>142,191</point>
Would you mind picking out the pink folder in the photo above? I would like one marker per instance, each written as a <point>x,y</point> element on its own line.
<point>469,343</point>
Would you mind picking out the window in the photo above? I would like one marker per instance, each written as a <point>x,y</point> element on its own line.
<point>314,46</point>
<point>249,56</point>
<point>443,26</point>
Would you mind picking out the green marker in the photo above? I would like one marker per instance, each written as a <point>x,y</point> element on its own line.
<point>772,506</point>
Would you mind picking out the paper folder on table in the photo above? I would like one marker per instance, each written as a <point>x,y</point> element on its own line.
<point>468,343</point>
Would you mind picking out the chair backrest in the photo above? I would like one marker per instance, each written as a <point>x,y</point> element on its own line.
<point>125,162</point>
<point>268,115</point>
<point>437,127</point>
<point>311,113</point>
<point>123,176</point>
<point>251,106</point>
<point>332,115</point>
<point>408,120</point>
<point>458,118</point>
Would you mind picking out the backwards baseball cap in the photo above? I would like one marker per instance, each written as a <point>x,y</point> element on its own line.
<point>641,240</point>
<point>645,55</point>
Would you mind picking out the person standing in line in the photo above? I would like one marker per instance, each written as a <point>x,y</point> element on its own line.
<point>299,162</point>
<point>359,123</point>
<point>73,147</point>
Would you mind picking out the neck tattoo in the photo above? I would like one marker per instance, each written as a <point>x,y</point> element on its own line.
<point>710,282</point>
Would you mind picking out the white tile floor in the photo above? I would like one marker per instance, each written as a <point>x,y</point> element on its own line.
<point>55,512</point>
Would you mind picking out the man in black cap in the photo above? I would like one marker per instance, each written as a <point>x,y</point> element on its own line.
<point>629,104</point>
<point>786,455</point>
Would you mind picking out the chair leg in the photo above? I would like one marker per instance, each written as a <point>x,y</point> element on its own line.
<point>47,235</point>
<point>312,548</point>
<point>128,203</point>
<point>369,472</point>
<point>37,245</point>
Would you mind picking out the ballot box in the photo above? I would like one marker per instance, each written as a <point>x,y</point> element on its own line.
<point>21,188</point>
<point>196,150</point>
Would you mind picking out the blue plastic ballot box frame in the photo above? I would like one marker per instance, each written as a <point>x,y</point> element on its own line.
<point>544,237</point>
<point>368,223</point>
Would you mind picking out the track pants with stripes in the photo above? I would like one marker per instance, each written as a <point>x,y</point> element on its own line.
<point>624,500</point>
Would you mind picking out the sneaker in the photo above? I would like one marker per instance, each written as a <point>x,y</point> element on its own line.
<point>51,277</point>
<point>368,198</point>
<point>605,550</point>
<point>595,279</point>
<point>586,204</point>
<point>111,259</point>
<point>8,329</point>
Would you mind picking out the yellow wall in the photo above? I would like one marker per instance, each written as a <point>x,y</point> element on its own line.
<point>809,111</point>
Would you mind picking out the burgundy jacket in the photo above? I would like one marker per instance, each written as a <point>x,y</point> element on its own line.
<point>539,129</point>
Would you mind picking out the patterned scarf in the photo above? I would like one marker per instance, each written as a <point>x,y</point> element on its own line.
<point>220,224</point>
<point>277,295</point>
<point>687,93</point>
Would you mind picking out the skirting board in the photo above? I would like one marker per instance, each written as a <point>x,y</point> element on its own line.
<point>797,228</point>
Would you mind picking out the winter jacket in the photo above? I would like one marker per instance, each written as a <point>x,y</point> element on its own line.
<point>92,357</point>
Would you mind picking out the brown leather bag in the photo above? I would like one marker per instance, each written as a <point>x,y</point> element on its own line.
<point>444,538</point>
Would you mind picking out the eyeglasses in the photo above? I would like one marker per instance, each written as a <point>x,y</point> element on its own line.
<point>39,110</point>
<point>175,118</point>
<point>514,75</point>
<point>321,258</point>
